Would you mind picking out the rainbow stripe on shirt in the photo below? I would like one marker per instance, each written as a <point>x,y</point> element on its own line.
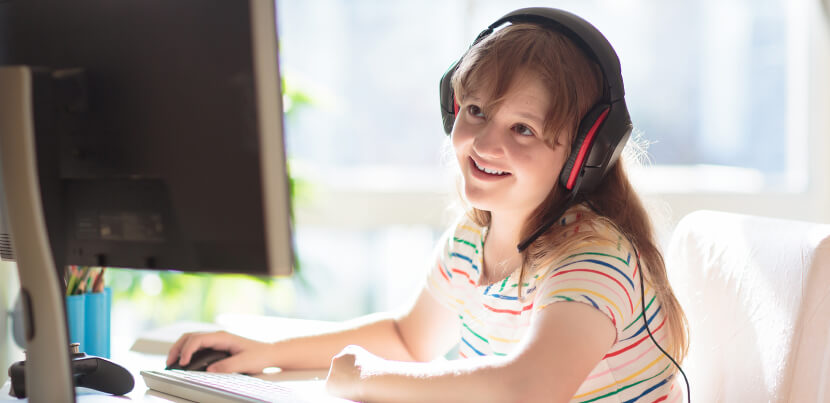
<point>602,275</point>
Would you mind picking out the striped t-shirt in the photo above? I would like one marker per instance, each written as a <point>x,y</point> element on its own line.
<point>602,274</point>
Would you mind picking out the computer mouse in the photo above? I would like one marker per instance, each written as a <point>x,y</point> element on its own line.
<point>200,360</point>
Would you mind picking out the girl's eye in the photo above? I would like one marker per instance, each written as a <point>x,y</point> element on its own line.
<point>474,110</point>
<point>523,130</point>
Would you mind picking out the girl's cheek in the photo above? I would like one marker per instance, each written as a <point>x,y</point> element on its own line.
<point>461,134</point>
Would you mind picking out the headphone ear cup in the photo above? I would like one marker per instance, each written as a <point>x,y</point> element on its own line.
<point>582,145</point>
<point>449,106</point>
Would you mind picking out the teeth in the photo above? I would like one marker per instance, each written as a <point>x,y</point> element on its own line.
<point>488,170</point>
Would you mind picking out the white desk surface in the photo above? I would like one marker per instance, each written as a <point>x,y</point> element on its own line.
<point>149,353</point>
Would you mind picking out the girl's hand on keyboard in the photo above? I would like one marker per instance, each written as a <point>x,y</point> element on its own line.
<point>247,356</point>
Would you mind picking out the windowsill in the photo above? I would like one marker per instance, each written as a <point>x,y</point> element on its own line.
<point>711,179</point>
<point>373,197</point>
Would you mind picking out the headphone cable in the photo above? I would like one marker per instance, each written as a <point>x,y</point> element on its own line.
<point>645,320</point>
<point>568,203</point>
<point>643,307</point>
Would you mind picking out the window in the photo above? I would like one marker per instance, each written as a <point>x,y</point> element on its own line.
<point>708,82</point>
<point>731,95</point>
<point>721,89</point>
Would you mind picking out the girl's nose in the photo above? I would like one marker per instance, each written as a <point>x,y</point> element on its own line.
<point>489,142</point>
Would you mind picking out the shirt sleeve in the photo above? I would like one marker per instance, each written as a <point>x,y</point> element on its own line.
<point>601,274</point>
<point>440,281</point>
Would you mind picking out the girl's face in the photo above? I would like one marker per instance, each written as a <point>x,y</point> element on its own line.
<point>505,163</point>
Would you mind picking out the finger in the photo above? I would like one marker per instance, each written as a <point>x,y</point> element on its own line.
<point>193,344</point>
<point>173,354</point>
<point>239,363</point>
<point>248,358</point>
<point>331,386</point>
<point>225,366</point>
<point>339,384</point>
<point>332,380</point>
<point>220,340</point>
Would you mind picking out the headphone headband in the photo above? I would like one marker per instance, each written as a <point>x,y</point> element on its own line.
<point>585,35</point>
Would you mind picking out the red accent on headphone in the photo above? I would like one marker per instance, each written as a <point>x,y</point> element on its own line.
<point>455,106</point>
<point>586,145</point>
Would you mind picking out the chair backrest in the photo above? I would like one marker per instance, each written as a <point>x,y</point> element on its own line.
<point>756,292</point>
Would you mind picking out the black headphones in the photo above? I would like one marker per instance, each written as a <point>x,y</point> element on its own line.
<point>603,131</point>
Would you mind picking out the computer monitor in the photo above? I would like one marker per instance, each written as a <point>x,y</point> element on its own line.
<point>137,134</point>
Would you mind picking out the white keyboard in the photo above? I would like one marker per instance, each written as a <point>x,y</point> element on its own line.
<point>212,387</point>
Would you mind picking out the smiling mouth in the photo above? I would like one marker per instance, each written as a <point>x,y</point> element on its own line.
<point>488,170</point>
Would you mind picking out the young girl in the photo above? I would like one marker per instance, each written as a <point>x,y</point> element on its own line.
<point>561,320</point>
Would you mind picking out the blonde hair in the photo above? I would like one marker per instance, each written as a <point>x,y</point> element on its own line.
<point>574,82</point>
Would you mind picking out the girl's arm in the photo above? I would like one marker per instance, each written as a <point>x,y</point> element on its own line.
<point>564,343</point>
<point>421,332</point>
<point>424,331</point>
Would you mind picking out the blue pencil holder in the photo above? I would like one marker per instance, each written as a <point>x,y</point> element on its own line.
<point>97,323</point>
<point>75,318</point>
<point>88,317</point>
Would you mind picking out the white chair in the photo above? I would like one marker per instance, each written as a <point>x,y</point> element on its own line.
<point>756,292</point>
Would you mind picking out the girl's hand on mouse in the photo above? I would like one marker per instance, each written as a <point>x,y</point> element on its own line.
<point>247,356</point>
<point>348,368</point>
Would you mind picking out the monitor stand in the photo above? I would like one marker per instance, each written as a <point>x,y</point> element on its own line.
<point>48,373</point>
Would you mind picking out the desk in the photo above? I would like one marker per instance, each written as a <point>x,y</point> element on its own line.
<point>149,353</point>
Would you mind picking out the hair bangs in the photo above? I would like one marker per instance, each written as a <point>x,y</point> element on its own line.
<point>491,66</point>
